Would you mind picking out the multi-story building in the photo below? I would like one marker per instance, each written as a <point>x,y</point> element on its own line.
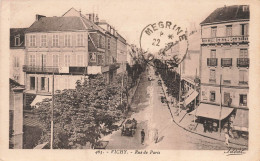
<point>70,47</point>
<point>224,65</point>
<point>17,53</point>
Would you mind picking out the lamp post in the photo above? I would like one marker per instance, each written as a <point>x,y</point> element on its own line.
<point>52,107</point>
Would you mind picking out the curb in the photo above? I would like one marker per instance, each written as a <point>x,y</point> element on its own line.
<point>188,129</point>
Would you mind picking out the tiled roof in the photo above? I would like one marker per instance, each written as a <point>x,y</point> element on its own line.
<point>228,13</point>
<point>14,84</point>
<point>46,24</point>
<point>17,32</point>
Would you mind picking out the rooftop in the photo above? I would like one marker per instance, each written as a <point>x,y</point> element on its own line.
<point>228,13</point>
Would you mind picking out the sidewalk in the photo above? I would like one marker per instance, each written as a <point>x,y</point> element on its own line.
<point>186,121</point>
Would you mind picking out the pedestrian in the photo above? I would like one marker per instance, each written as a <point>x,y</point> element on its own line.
<point>142,136</point>
<point>156,136</point>
<point>226,137</point>
<point>205,126</point>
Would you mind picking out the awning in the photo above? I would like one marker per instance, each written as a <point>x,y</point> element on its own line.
<point>241,120</point>
<point>190,98</point>
<point>39,98</point>
<point>211,111</point>
<point>188,93</point>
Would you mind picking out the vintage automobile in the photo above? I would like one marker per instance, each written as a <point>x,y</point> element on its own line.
<point>129,128</point>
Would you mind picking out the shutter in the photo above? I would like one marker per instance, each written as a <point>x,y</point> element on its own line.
<point>246,76</point>
<point>73,36</point>
<point>48,59</point>
<point>37,36</point>
<point>241,75</point>
<point>61,59</point>
<point>61,39</point>
<point>49,40</point>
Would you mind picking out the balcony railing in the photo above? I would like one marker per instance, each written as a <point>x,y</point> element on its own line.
<point>40,69</point>
<point>226,81</point>
<point>213,62</point>
<point>226,62</point>
<point>243,82</point>
<point>50,69</point>
<point>212,80</point>
<point>243,62</point>
<point>229,39</point>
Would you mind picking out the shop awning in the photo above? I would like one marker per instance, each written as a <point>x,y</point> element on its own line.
<point>211,111</point>
<point>39,98</point>
<point>190,98</point>
<point>241,120</point>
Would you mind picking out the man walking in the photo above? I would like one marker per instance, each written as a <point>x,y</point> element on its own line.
<point>142,136</point>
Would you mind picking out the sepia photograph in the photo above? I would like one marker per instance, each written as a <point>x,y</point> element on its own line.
<point>128,77</point>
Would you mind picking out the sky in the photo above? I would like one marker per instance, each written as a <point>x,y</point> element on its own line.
<point>129,17</point>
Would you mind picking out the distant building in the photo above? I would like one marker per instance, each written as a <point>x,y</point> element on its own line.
<point>17,53</point>
<point>225,61</point>
<point>15,115</point>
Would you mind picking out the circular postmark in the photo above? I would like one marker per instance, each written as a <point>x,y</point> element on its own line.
<point>166,41</point>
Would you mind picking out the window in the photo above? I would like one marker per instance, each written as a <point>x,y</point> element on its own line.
<point>92,57</point>
<point>67,60</point>
<point>213,31</point>
<point>243,100</point>
<point>243,77</point>
<point>32,60</point>
<point>43,40</point>
<point>108,44</point>
<point>213,54</point>
<point>55,40</point>
<point>32,40</point>
<point>212,96</point>
<point>55,60</point>
<point>227,99</point>
<point>80,60</point>
<point>244,29</point>
<point>17,40</point>
<point>243,53</point>
<point>67,40</point>
<point>229,30</point>
<point>245,8</point>
<point>212,74</point>
<point>16,61</point>
<point>42,83</point>
<point>32,83</point>
<point>100,59</point>
<point>79,39</point>
<point>43,60</point>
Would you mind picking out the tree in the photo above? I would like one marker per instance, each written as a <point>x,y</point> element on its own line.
<point>78,113</point>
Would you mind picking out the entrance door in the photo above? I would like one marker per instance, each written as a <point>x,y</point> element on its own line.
<point>32,83</point>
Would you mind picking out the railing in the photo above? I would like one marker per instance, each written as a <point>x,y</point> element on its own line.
<point>226,62</point>
<point>212,80</point>
<point>212,62</point>
<point>40,69</point>
<point>228,39</point>
<point>243,62</point>
<point>226,81</point>
<point>243,82</point>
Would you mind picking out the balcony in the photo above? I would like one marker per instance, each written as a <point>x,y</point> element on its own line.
<point>243,82</point>
<point>213,62</point>
<point>226,62</point>
<point>40,69</point>
<point>212,80</point>
<point>55,70</point>
<point>229,39</point>
<point>226,81</point>
<point>243,62</point>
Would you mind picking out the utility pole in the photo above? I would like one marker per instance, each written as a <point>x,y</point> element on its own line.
<point>195,104</point>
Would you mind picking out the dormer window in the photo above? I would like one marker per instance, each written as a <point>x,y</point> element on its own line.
<point>245,8</point>
<point>17,40</point>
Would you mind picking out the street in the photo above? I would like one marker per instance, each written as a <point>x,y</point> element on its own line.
<point>151,114</point>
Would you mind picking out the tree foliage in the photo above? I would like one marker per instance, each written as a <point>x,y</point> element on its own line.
<point>83,114</point>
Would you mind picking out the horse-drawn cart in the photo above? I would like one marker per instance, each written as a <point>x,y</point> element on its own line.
<point>129,128</point>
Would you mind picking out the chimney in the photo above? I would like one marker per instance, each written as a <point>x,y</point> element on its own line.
<point>38,17</point>
<point>96,19</point>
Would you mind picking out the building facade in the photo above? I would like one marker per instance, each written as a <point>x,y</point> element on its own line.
<point>225,61</point>
<point>17,53</point>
